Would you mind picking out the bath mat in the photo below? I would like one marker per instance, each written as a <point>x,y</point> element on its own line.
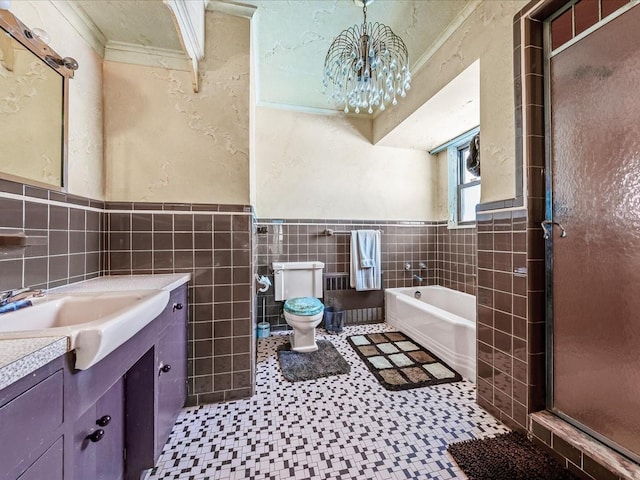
<point>400,363</point>
<point>324,362</point>
<point>510,456</point>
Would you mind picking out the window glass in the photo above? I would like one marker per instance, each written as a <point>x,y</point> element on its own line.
<point>463,155</point>
<point>469,198</point>
<point>464,186</point>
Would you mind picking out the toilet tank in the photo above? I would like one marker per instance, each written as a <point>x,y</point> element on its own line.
<point>297,279</point>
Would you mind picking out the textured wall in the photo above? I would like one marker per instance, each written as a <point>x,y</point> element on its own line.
<point>311,166</point>
<point>295,36</point>
<point>487,35</point>
<point>85,96</point>
<point>165,143</point>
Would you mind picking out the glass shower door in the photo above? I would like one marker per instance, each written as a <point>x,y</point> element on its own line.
<point>594,105</point>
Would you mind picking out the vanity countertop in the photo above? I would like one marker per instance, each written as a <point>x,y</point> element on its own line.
<point>117,283</point>
<point>21,356</point>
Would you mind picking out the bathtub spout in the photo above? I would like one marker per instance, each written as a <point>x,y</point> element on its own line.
<point>419,279</point>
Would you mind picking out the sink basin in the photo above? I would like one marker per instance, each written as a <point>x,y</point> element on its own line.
<point>95,323</point>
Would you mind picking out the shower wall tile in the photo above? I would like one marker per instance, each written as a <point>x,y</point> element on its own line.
<point>502,316</point>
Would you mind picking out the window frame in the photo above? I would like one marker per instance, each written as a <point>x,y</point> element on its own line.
<point>455,173</point>
<point>461,184</point>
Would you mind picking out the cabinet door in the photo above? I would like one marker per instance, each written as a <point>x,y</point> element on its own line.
<point>48,466</point>
<point>171,356</point>
<point>29,425</point>
<point>99,438</point>
<point>110,418</point>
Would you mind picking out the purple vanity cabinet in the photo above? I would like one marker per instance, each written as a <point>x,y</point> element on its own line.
<point>98,438</point>
<point>109,422</point>
<point>31,422</point>
<point>48,466</point>
<point>171,362</point>
<point>156,388</point>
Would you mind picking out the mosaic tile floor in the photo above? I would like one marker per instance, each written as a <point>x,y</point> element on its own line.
<point>341,427</point>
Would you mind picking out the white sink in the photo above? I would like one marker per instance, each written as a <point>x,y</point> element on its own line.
<point>95,323</point>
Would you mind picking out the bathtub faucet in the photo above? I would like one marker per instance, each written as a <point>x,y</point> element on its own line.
<point>418,278</point>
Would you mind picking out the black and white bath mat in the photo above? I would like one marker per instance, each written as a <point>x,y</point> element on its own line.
<point>400,363</point>
<point>324,362</point>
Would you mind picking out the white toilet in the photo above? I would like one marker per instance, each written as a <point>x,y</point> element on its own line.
<point>300,285</point>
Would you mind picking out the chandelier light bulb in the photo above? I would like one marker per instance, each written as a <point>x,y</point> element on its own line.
<point>363,63</point>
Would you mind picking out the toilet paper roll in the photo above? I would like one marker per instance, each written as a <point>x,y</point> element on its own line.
<point>264,282</point>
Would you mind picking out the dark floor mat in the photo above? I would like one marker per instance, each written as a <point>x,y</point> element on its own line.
<point>400,363</point>
<point>510,456</point>
<point>324,362</point>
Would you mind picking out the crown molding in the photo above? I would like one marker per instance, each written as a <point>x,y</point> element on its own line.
<point>444,36</point>
<point>82,24</point>
<point>232,8</point>
<point>148,56</point>
<point>327,112</point>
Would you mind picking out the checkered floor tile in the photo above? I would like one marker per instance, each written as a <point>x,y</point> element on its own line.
<point>340,427</point>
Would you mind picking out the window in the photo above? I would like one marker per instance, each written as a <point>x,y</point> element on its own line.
<point>468,187</point>
<point>464,186</point>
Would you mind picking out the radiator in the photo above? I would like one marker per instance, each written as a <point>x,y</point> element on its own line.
<point>359,307</point>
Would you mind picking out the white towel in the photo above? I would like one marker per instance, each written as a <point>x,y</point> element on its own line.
<point>367,241</point>
<point>365,278</point>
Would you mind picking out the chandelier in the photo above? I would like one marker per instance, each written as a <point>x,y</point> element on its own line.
<point>366,66</point>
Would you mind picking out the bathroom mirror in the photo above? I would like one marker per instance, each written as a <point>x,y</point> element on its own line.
<point>34,83</point>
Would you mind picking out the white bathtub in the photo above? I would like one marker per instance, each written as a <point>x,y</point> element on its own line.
<point>441,320</point>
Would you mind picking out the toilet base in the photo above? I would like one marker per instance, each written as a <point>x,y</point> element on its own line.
<point>304,342</point>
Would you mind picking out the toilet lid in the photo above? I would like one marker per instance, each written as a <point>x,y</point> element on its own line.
<point>305,306</point>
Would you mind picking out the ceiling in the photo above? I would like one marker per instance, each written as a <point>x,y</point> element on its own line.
<point>293,37</point>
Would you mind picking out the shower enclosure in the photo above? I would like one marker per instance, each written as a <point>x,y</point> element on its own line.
<point>593,192</point>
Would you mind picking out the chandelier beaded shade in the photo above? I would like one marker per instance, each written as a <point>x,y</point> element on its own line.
<point>366,67</point>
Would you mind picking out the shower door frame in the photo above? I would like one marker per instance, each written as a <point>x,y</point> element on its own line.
<point>548,243</point>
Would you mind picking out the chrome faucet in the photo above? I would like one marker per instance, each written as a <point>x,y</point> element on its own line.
<point>10,296</point>
<point>419,279</point>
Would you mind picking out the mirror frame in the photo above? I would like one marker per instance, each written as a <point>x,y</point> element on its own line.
<point>23,35</point>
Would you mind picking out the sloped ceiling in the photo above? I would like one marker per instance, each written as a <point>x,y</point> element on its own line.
<point>292,38</point>
<point>146,23</point>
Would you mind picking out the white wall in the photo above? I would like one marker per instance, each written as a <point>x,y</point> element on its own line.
<point>486,35</point>
<point>313,166</point>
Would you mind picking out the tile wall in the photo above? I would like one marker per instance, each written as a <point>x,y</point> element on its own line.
<point>70,239</point>
<point>448,254</point>
<point>456,254</point>
<point>511,264</point>
<point>214,244</point>
<point>509,339</point>
<point>64,241</point>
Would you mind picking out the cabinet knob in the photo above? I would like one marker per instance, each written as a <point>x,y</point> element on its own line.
<point>96,436</point>
<point>165,368</point>
<point>177,306</point>
<point>103,421</point>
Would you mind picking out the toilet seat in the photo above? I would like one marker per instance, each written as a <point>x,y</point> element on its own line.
<point>303,306</point>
